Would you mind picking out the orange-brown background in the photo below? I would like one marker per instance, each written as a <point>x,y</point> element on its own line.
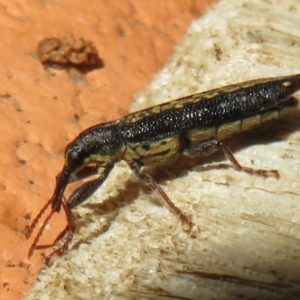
<point>41,110</point>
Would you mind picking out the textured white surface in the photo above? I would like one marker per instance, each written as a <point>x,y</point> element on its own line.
<point>245,244</point>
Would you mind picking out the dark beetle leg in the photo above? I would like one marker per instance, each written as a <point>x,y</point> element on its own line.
<point>81,194</point>
<point>211,146</point>
<point>150,181</point>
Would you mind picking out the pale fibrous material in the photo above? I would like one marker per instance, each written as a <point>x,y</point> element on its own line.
<point>245,242</point>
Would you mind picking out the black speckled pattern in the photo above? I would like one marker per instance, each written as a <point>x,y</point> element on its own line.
<point>229,104</point>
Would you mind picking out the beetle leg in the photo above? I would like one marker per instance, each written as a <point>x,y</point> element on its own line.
<point>211,146</point>
<point>150,181</point>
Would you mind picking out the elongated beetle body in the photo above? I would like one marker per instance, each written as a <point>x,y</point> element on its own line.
<point>195,125</point>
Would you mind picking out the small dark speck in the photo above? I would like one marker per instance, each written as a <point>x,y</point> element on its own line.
<point>76,117</point>
<point>6,96</point>
<point>5,284</point>
<point>27,217</point>
<point>22,162</point>
<point>10,265</point>
<point>23,265</point>
<point>31,182</point>
<point>121,32</point>
<point>218,52</point>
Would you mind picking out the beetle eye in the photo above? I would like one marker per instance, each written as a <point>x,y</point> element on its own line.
<point>72,157</point>
<point>74,154</point>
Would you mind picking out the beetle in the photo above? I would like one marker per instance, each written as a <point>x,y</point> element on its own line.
<point>196,125</point>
